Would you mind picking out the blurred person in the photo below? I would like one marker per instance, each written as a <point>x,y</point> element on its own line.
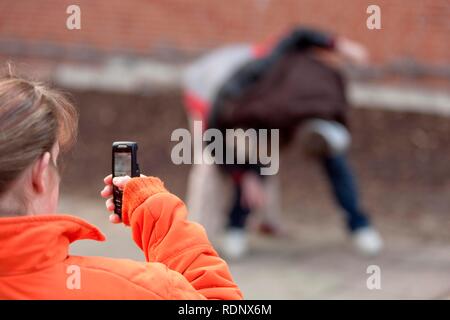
<point>35,123</point>
<point>280,84</point>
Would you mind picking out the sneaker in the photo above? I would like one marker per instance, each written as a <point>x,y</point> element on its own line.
<point>235,244</point>
<point>367,241</point>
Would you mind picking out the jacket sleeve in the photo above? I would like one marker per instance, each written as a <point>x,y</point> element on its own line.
<point>159,225</point>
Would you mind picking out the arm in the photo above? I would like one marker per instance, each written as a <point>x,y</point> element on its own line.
<point>297,40</point>
<point>304,38</point>
<point>160,228</point>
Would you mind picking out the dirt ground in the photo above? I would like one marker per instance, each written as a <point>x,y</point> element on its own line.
<point>403,168</point>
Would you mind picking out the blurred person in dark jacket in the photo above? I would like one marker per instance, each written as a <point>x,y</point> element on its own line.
<point>281,84</point>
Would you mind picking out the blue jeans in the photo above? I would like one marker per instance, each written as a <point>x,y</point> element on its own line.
<point>238,213</point>
<point>345,191</point>
<point>343,186</point>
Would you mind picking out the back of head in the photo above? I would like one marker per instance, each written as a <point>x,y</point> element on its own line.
<point>33,118</point>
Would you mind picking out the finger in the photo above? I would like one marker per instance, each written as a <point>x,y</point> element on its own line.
<point>261,198</point>
<point>107,191</point>
<point>108,179</point>
<point>120,182</point>
<point>110,204</point>
<point>261,203</point>
<point>114,218</point>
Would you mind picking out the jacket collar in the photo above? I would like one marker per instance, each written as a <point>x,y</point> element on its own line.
<point>31,243</point>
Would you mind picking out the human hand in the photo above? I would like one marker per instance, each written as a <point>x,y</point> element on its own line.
<point>107,193</point>
<point>253,191</point>
<point>352,50</point>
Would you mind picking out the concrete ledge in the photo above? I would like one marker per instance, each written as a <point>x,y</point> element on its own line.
<point>400,99</point>
<point>147,76</point>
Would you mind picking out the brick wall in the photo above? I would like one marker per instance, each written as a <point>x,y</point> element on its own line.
<point>416,29</point>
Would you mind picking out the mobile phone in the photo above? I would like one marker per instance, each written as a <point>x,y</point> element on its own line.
<point>124,163</point>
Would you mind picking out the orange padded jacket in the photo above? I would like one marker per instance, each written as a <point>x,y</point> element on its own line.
<point>181,263</point>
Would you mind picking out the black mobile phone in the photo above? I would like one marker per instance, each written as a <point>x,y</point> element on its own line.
<point>124,163</point>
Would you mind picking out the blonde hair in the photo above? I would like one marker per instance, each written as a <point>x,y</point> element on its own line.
<point>33,117</point>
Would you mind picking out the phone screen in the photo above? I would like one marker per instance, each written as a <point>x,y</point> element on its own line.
<point>122,164</point>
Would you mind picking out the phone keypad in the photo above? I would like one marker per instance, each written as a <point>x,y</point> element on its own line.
<point>117,201</point>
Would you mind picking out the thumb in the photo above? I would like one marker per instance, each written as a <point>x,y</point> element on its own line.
<point>120,182</point>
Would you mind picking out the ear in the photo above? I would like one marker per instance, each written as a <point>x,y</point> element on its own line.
<point>39,173</point>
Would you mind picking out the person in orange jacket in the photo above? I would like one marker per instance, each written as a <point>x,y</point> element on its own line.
<point>35,122</point>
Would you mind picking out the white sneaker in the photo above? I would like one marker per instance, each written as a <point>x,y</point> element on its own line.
<point>367,241</point>
<point>235,244</point>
